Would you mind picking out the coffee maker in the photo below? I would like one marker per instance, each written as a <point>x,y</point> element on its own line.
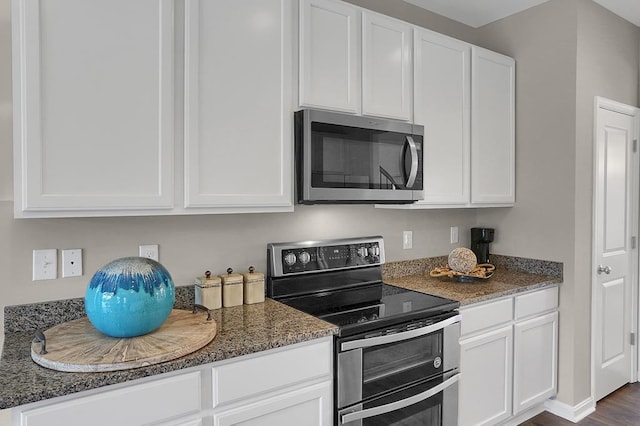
<point>480,240</point>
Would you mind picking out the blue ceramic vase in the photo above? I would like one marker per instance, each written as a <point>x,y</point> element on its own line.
<point>129,297</point>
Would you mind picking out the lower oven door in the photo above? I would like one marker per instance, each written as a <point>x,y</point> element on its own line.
<point>431,403</point>
<point>374,364</point>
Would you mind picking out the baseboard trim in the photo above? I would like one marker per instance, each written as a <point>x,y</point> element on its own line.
<point>572,413</point>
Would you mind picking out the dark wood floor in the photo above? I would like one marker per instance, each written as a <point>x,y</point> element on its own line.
<point>621,408</point>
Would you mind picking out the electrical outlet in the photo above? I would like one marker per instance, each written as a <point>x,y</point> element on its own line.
<point>45,264</point>
<point>150,251</point>
<point>407,239</point>
<point>454,234</point>
<point>71,263</point>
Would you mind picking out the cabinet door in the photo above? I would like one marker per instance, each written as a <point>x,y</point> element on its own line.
<point>442,104</point>
<point>154,402</point>
<point>309,406</point>
<point>492,128</point>
<point>329,55</point>
<point>386,67</point>
<point>486,378</point>
<point>535,361</point>
<point>93,105</point>
<point>238,106</point>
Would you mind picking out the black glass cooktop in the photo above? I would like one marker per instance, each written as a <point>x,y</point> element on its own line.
<point>370,307</point>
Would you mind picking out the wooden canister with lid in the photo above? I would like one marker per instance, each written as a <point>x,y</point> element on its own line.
<point>253,287</point>
<point>208,291</point>
<point>232,289</point>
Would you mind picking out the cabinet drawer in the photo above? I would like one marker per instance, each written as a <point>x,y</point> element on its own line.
<point>134,405</point>
<point>486,315</point>
<point>264,373</point>
<point>536,302</point>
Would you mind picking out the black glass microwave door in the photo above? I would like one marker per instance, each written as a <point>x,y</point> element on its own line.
<point>396,365</point>
<point>349,157</point>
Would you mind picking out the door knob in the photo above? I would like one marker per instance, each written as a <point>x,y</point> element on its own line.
<point>605,269</point>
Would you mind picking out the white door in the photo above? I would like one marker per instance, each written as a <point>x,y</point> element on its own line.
<point>329,55</point>
<point>442,104</point>
<point>93,106</point>
<point>486,378</point>
<point>613,275</point>
<point>492,127</point>
<point>238,106</point>
<point>387,87</point>
<point>535,359</point>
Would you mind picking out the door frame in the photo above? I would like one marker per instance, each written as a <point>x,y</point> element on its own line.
<point>604,103</point>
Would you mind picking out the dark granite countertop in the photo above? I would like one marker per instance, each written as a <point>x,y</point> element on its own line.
<point>512,275</point>
<point>242,330</point>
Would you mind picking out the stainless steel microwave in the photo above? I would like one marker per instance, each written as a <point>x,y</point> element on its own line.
<point>342,158</point>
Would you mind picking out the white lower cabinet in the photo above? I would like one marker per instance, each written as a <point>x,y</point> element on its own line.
<point>285,386</point>
<point>508,357</point>
<point>535,355</point>
<point>308,406</point>
<point>486,377</point>
<point>152,402</point>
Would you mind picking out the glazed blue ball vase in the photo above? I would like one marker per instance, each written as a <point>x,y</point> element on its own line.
<point>129,297</point>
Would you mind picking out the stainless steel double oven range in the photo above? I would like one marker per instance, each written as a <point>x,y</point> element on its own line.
<point>396,353</point>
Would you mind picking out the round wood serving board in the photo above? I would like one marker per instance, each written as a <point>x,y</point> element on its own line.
<point>77,346</point>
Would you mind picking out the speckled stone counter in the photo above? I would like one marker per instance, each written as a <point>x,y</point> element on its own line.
<point>242,330</point>
<point>513,275</point>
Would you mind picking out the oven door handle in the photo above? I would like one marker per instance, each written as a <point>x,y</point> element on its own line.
<point>393,406</point>
<point>392,338</point>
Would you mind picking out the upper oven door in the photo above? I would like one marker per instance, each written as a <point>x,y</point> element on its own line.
<point>379,362</point>
<point>358,159</point>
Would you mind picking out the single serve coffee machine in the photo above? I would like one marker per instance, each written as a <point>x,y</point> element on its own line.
<point>480,240</point>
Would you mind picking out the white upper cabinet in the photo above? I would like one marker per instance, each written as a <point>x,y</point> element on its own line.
<point>93,105</point>
<point>442,104</point>
<point>238,104</point>
<point>353,60</point>
<point>387,88</point>
<point>97,123</point>
<point>329,64</point>
<point>492,128</point>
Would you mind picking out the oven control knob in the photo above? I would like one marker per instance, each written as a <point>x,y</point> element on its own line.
<point>372,251</point>
<point>305,257</point>
<point>290,259</point>
<point>362,252</point>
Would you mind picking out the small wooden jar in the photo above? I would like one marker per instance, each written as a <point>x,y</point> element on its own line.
<point>253,287</point>
<point>231,289</point>
<point>209,291</point>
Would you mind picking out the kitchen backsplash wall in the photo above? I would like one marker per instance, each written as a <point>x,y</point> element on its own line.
<point>189,245</point>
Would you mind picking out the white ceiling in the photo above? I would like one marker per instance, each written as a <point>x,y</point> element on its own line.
<point>477,13</point>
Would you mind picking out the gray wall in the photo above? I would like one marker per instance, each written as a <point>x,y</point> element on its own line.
<point>567,52</point>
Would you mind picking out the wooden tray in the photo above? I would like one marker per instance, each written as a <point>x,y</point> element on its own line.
<point>77,346</point>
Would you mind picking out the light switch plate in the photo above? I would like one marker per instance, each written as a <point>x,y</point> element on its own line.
<point>71,263</point>
<point>45,264</point>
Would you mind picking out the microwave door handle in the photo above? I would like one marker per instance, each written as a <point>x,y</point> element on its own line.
<point>413,173</point>
<point>393,406</point>
<point>398,337</point>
